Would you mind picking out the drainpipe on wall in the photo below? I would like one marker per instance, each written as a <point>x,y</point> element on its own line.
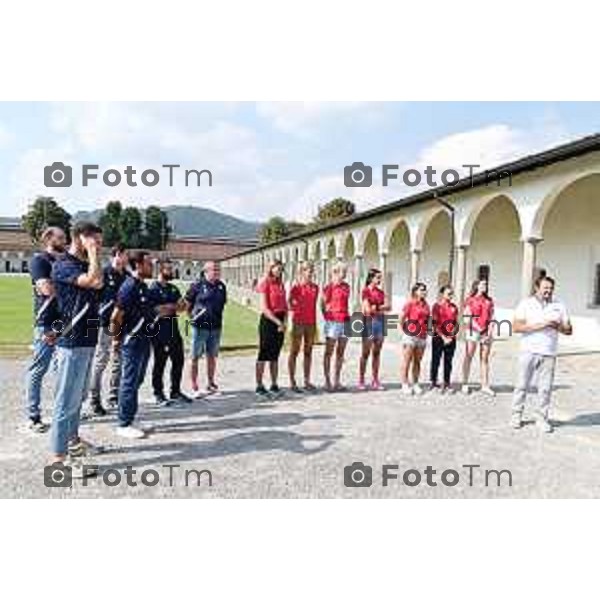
<point>450,210</point>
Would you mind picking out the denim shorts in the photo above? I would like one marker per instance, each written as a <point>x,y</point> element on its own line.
<point>414,340</point>
<point>205,341</point>
<point>334,330</point>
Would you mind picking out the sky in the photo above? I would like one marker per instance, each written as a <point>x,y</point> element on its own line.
<point>266,158</point>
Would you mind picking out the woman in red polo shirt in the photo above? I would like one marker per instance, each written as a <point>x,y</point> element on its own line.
<point>478,313</point>
<point>414,318</point>
<point>271,327</point>
<point>334,305</point>
<point>445,323</point>
<point>303,304</point>
<point>373,308</point>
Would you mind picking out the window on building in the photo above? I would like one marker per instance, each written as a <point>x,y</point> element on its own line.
<point>597,286</point>
<point>483,272</point>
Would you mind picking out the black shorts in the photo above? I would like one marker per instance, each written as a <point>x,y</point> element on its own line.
<point>270,339</point>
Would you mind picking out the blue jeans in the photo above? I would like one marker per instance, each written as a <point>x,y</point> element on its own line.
<point>134,361</point>
<point>74,369</point>
<point>40,363</point>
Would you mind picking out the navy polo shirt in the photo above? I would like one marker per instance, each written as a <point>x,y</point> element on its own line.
<point>77,306</point>
<point>167,293</point>
<point>136,302</point>
<point>113,280</point>
<point>209,297</point>
<point>45,310</point>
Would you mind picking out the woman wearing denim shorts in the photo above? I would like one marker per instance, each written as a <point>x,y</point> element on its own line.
<point>414,318</point>
<point>373,307</point>
<point>334,305</point>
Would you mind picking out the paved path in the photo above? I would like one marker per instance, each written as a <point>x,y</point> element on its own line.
<point>298,446</point>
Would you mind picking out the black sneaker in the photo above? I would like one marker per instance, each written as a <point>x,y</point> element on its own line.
<point>297,389</point>
<point>97,410</point>
<point>181,397</point>
<point>37,426</point>
<point>112,403</point>
<point>261,391</point>
<point>275,390</point>
<point>161,400</point>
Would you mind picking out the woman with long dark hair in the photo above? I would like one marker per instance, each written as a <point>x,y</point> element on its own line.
<point>373,307</point>
<point>478,313</point>
<point>413,318</point>
<point>271,327</point>
<point>443,344</point>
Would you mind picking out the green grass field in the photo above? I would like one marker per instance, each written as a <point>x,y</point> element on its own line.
<point>239,330</point>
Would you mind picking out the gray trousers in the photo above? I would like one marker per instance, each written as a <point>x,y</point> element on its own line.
<point>534,366</point>
<point>104,354</point>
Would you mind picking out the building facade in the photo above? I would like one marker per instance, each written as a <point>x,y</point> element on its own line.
<point>187,252</point>
<point>542,214</point>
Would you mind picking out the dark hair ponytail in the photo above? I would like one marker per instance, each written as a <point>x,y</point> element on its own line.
<point>371,275</point>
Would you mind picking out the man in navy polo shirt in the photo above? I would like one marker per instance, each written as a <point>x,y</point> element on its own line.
<point>168,342</point>
<point>77,279</point>
<point>205,301</point>
<point>114,276</point>
<point>45,313</point>
<point>134,318</point>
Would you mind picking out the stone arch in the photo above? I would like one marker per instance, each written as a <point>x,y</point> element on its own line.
<point>436,245</point>
<point>398,263</point>
<point>465,233</point>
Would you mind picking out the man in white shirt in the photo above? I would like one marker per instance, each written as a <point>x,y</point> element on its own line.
<point>539,319</point>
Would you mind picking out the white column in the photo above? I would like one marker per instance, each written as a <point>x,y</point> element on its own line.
<point>528,266</point>
<point>358,278</point>
<point>460,274</point>
<point>415,260</point>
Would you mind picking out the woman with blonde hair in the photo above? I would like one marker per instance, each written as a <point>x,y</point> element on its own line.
<point>334,305</point>
<point>271,327</point>
<point>303,304</point>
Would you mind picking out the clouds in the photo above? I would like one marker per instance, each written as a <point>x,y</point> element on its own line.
<point>266,158</point>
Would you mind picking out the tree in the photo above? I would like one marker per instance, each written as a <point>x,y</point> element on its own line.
<point>335,209</point>
<point>131,227</point>
<point>110,221</point>
<point>157,230</point>
<point>45,212</point>
<point>274,229</point>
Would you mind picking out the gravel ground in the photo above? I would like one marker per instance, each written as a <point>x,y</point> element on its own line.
<point>298,446</point>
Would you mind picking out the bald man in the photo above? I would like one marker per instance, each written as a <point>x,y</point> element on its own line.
<point>45,312</point>
<point>205,302</point>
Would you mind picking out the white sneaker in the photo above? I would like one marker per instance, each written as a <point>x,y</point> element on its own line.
<point>516,421</point>
<point>488,391</point>
<point>79,470</point>
<point>544,425</point>
<point>417,389</point>
<point>406,389</point>
<point>465,389</point>
<point>130,432</point>
<point>198,395</point>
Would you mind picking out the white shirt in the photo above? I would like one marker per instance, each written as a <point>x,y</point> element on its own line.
<point>533,311</point>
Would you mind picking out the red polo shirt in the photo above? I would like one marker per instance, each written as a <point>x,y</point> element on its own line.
<point>337,296</point>
<point>303,302</point>
<point>482,309</point>
<point>445,317</point>
<point>417,312</point>
<point>376,299</point>
<point>274,292</point>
